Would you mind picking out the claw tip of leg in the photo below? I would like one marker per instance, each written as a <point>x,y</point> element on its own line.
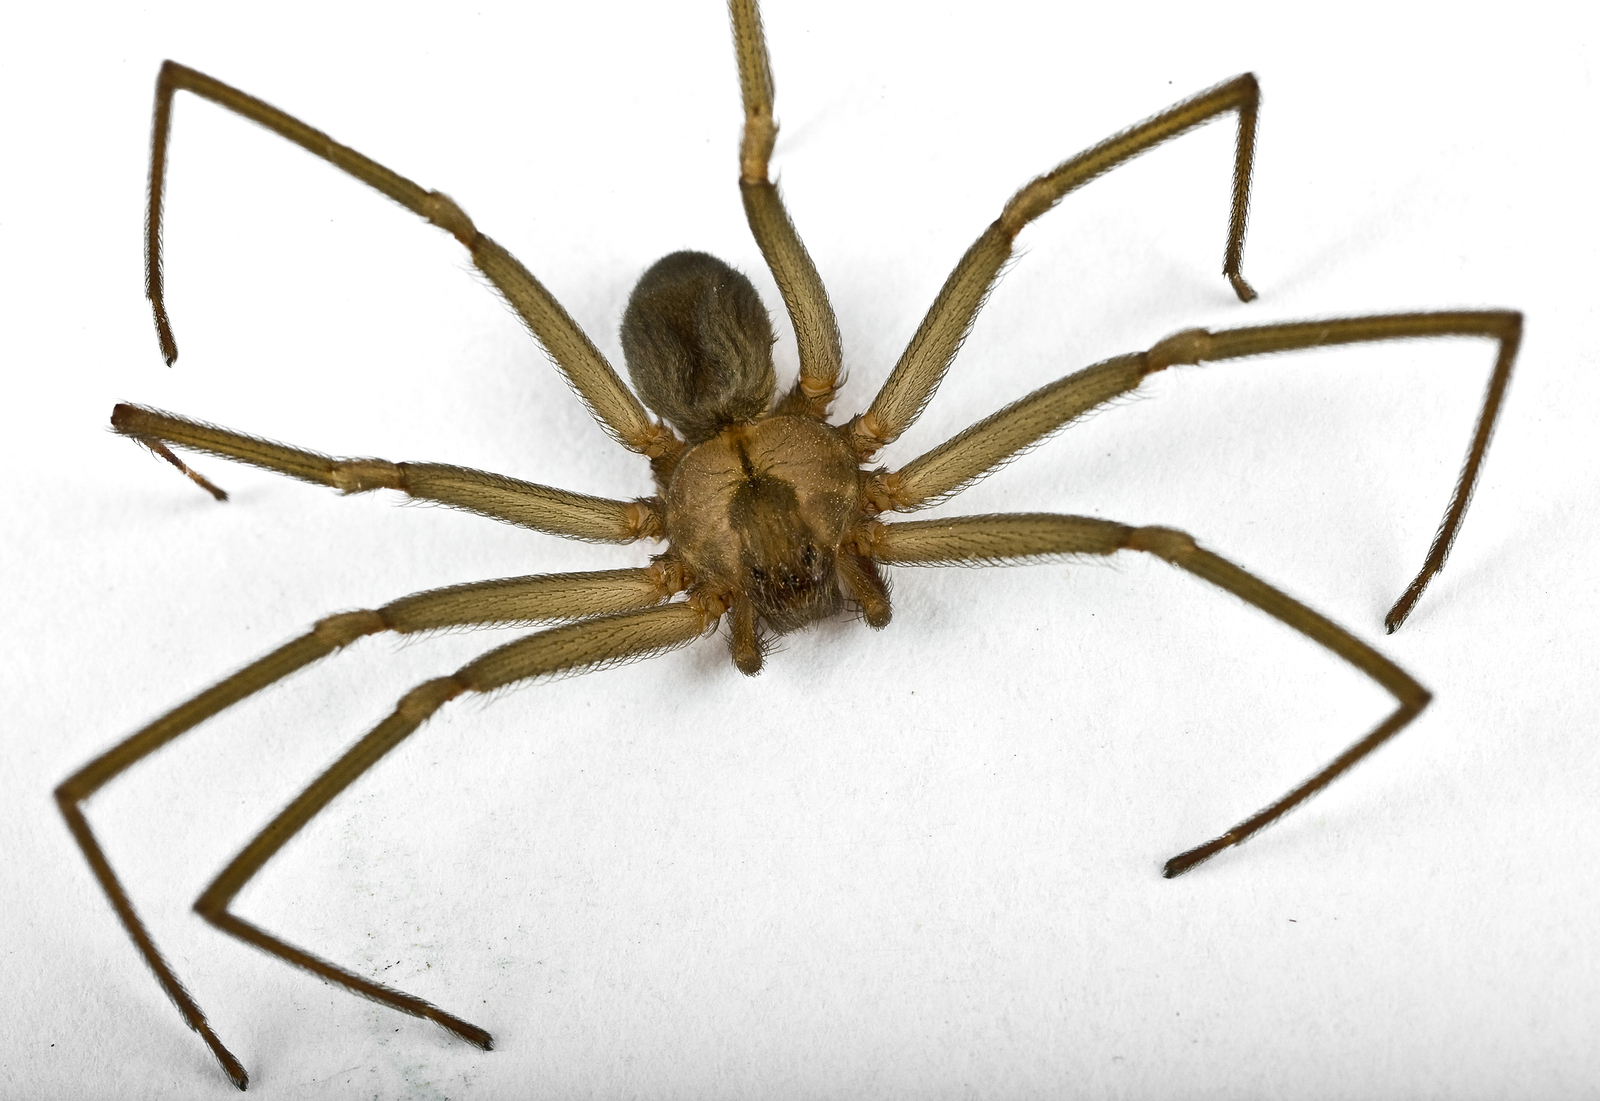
<point>1186,860</point>
<point>471,1033</point>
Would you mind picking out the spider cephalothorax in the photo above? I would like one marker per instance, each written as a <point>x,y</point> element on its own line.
<point>769,516</point>
<point>763,512</point>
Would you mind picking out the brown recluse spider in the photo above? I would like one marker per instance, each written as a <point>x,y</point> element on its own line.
<point>772,515</point>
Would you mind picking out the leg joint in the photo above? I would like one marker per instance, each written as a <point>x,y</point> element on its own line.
<point>710,604</point>
<point>755,152</point>
<point>338,631</point>
<point>667,572</point>
<point>422,701</point>
<point>365,475</point>
<point>1188,346</point>
<point>1167,543</point>
<point>646,518</point>
<point>868,436</point>
<point>442,211</point>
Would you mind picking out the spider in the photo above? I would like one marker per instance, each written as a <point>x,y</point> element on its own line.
<point>771,513</point>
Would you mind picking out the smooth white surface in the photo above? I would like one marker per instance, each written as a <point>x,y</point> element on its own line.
<point>924,862</point>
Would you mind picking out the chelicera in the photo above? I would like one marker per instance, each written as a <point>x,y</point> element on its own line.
<point>773,515</point>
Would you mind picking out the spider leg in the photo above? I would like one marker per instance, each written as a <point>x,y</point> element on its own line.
<point>974,539</point>
<point>1505,326</point>
<point>513,600</point>
<point>994,441</point>
<point>581,645</point>
<point>596,382</point>
<point>558,511</point>
<point>973,453</point>
<point>915,378</point>
<point>815,328</point>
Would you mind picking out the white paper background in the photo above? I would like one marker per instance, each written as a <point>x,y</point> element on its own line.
<point>923,862</point>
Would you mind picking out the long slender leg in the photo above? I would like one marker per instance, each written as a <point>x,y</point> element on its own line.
<point>558,511</point>
<point>968,456</point>
<point>994,441</point>
<point>514,600</point>
<point>912,382</point>
<point>973,539</point>
<point>596,382</point>
<point>1505,326</point>
<point>586,644</point>
<point>815,328</point>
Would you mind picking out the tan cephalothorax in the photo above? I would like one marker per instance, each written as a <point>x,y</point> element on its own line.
<point>763,512</point>
<point>770,517</point>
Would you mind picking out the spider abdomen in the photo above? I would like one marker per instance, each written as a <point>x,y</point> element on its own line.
<point>698,344</point>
